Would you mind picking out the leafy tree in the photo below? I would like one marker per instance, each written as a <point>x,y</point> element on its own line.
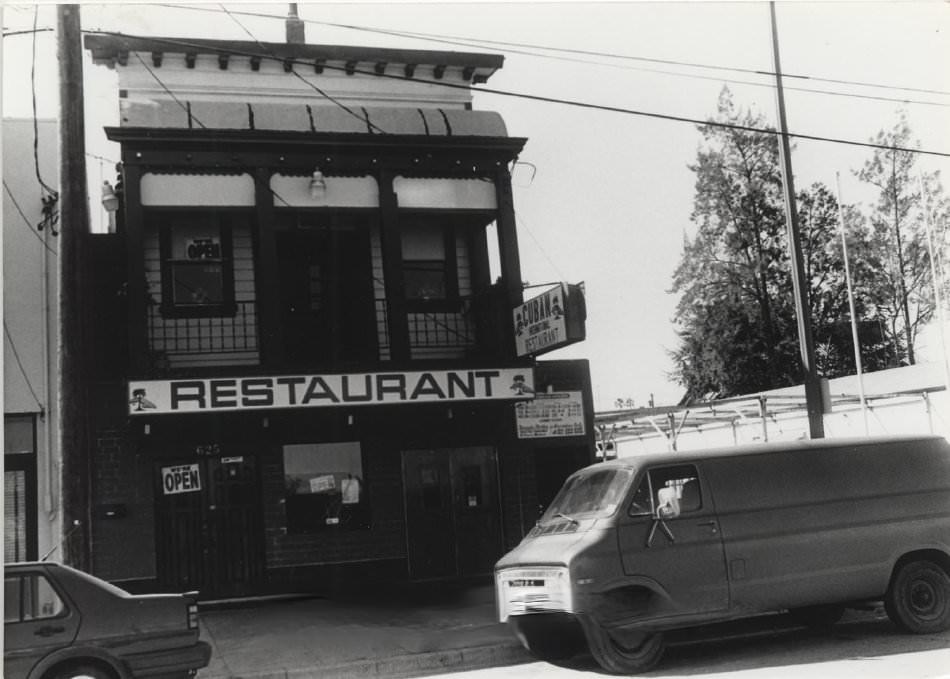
<point>736,318</point>
<point>903,284</point>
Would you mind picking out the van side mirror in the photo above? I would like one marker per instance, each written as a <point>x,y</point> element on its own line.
<point>668,505</point>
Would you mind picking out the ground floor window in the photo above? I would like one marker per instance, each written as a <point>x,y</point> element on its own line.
<point>324,488</point>
<point>19,488</point>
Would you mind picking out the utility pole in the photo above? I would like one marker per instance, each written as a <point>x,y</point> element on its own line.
<point>813,397</point>
<point>73,243</point>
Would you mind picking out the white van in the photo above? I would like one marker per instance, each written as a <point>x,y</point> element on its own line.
<point>637,546</point>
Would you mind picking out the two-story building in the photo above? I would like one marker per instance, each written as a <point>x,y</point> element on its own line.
<point>305,353</point>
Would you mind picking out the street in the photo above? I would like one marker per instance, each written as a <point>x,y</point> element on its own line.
<point>864,645</point>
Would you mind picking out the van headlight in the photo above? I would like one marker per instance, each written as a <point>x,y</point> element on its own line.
<point>539,589</point>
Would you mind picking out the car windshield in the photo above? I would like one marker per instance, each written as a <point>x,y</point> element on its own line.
<point>590,492</point>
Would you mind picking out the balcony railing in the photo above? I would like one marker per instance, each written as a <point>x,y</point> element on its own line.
<point>218,340</point>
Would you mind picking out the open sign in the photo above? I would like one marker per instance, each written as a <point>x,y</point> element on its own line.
<point>181,479</point>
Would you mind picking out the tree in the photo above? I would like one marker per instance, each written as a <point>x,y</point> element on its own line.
<point>904,283</point>
<point>733,323</point>
<point>736,313</point>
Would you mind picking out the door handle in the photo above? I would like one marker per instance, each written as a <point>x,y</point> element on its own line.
<point>708,524</point>
<point>49,631</point>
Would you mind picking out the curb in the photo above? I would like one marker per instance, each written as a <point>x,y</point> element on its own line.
<point>411,665</point>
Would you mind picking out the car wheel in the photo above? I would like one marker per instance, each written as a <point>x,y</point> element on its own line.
<point>918,600</point>
<point>82,671</point>
<point>623,652</point>
<point>817,617</point>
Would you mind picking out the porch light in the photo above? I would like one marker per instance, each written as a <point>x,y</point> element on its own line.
<point>110,201</point>
<point>318,185</point>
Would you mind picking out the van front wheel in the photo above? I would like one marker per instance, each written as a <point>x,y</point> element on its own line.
<point>623,652</point>
<point>918,600</point>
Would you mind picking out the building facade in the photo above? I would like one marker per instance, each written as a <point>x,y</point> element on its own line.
<point>305,358</point>
<point>32,516</point>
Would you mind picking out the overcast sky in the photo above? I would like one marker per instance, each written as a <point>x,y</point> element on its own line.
<point>602,197</point>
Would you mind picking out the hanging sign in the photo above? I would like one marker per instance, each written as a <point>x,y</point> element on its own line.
<point>159,397</point>
<point>183,478</point>
<point>551,415</point>
<point>549,321</point>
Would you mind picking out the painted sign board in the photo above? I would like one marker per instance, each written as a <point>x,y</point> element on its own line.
<point>549,321</point>
<point>182,478</point>
<point>158,397</point>
<point>551,415</point>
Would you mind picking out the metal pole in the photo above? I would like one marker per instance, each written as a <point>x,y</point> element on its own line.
<point>854,319</point>
<point>935,280</point>
<point>813,398</point>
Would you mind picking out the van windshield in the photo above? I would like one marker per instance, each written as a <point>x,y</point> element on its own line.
<point>591,492</point>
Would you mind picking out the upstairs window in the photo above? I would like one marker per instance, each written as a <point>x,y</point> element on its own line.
<point>197,265</point>
<point>429,266</point>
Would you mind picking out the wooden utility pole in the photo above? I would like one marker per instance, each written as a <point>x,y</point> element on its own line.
<point>813,397</point>
<point>73,241</point>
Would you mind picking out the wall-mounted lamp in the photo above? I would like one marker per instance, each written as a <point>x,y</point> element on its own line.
<point>110,201</point>
<point>318,185</point>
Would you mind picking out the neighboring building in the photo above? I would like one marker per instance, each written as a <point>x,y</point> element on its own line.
<point>30,334</point>
<point>306,366</point>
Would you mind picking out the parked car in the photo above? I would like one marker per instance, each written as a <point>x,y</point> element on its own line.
<point>61,623</point>
<point>632,548</point>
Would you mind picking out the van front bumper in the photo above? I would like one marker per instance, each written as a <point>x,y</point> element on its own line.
<point>533,589</point>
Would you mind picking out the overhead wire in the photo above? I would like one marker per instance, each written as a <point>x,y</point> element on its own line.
<point>553,100</point>
<point>467,41</point>
<point>51,195</point>
<point>364,119</point>
<point>19,362</point>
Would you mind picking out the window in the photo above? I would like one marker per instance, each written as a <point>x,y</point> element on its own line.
<point>586,493</point>
<point>30,597</point>
<point>197,264</point>
<point>324,488</point>
<point>682,482</point>
<point>429,264</point>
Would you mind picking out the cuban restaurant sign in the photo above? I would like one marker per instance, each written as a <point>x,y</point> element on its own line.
<point>159,397</point>
<point>551,320</point>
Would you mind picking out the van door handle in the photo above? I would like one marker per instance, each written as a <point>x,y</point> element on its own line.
<point>708,524</point>
<point>49,631</point>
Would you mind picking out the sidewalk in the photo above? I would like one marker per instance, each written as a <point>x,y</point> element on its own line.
<point>396,632</point>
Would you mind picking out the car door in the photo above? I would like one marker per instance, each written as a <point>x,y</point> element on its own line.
<point>682,552</point>
<point>38,619</point>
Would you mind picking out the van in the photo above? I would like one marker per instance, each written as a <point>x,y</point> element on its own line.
<point>635,547</point>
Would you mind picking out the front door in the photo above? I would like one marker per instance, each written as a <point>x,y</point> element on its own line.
<point>453,520</point>
<point>209,524</point>
<point>683,555</point>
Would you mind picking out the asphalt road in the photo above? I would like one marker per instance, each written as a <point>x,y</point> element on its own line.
<point>863,646</point>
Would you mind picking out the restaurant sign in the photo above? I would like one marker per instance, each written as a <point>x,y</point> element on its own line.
<point>551,415</point>
<point>549,321</point>
<point>155,397</point>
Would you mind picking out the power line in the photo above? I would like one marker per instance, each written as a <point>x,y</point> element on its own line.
<point>26,220</point>
<point>555,100</point>
<point>16,355</point>
<point>51,197</point>
<point>466,41</point>
<point>301,78</point>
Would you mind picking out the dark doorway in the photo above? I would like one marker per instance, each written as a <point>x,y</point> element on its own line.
<point>326,294</point>
<point>19,489</point>
<point>453,521</point>
<point>209,533</point>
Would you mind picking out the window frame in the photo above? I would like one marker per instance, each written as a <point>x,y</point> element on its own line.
<point>351,516</point>
<point>216,219</point>
<point>452,300</point>
<point>647,476</point>
<point>64,602</point>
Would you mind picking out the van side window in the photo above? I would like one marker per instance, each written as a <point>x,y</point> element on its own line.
<point>641,499</point>
<point>683,479</point>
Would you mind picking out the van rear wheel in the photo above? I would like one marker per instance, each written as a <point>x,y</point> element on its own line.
<point>623,652</point>
<point>918,600</point>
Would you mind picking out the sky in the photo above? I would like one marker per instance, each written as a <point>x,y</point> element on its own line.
<point>601,197</point>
